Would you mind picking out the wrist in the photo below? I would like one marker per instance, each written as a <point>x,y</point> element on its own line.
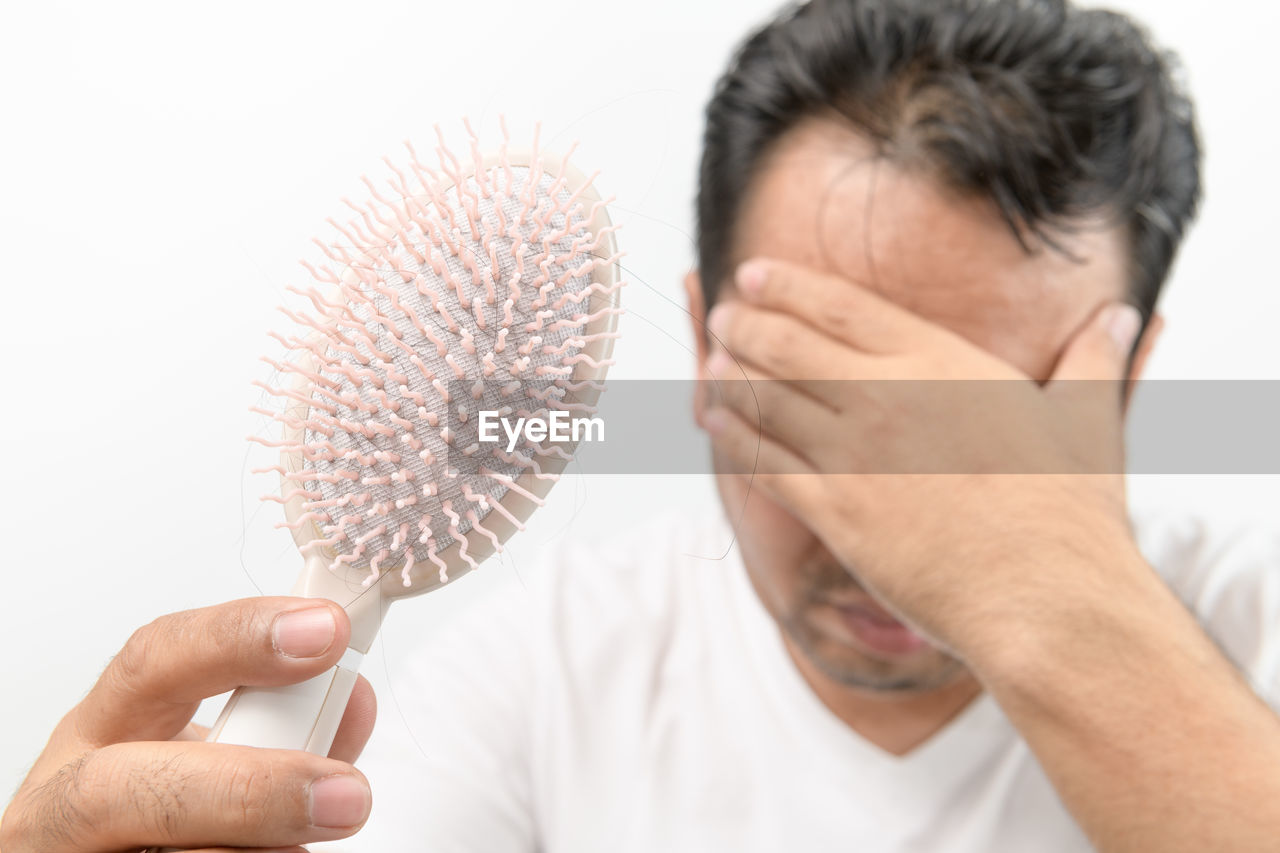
<point>1073,612</point>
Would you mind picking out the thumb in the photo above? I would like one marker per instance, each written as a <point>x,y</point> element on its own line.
<point>1101,349</point>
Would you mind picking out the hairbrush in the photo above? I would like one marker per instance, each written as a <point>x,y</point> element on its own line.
<point>482,283</point>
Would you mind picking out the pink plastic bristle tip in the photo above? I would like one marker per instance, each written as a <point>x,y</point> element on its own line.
<point>477,270</point>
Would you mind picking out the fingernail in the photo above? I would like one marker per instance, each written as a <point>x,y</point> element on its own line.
<point>304,633</point>
<point>339,801</point>
<point>750,277</point>
<point>717,320</point>
<point>1122,323</point>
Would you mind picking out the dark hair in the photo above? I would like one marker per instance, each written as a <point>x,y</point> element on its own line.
<point>1051,111</point>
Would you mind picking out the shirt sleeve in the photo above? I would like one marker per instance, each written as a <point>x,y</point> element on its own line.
<point>449,760</point>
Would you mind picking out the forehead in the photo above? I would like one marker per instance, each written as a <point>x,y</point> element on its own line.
<point>823,199</point>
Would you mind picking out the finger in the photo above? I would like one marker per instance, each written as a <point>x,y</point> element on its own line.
<point>777,472</point>
<point>842,309</point>
<point>784,347</point>
<point>357,723</point>
<point>1088,385</point>
<point>744,449</point>
<point>151,688</point>
<point>1100,350</point>
<point>194,795</point>
<point>779,409</point>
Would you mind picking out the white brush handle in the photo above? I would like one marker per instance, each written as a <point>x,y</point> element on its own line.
<point>297,716</point>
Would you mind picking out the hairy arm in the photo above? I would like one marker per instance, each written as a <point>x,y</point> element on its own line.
<point>1152,738</point>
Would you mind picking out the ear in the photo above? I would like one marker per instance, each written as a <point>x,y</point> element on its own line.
<point>1145,344</point>
<point>698,319</point>
<point>697,313</point>
<point>1143,351</point>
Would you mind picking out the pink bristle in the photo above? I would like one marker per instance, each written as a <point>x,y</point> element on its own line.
<point>374,574</point>
<point>525,461</point>
<point>435,558</point>
<point>426,292</point>
<point>457,534</point>
<point>408,566</point>
<point>365,236</point>
<point>294,494</point>
<point>305,518</point>
<point>481,529</point>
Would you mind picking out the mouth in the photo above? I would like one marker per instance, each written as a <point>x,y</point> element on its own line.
<point>870,626</point>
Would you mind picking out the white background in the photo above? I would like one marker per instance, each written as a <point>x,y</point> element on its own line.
<point>163,166</point>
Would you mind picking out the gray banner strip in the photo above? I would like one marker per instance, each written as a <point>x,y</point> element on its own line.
<point>646,427</point>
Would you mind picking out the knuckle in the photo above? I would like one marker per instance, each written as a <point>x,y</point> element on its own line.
<point>49,816</point>
<point>263,794</point>
<point>780,343</point>
<point>154,791</point>
<point>228,628</point>
<point>760,408</point>
<point>247,789</point>
<point>130,667</point>
<point>839,321</point>
<point>737,330</point>
<point>221,630</point>
<point>746,444</point>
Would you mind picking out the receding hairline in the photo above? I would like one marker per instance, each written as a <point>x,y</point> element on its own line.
<point>861,149</point>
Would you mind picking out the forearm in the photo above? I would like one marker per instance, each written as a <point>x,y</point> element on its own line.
<point>1151,737</point>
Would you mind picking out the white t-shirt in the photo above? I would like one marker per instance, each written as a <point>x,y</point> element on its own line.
<point>637,697</point>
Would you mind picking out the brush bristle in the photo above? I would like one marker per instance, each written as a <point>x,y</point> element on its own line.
<point>457,280</point>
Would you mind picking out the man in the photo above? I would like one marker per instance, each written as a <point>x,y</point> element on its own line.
<point>936,627</point>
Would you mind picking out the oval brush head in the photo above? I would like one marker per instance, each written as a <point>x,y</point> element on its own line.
<point>483,283</point>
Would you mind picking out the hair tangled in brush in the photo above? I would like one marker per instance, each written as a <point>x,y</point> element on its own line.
<point>1051,111</point>
<point>458,288</point>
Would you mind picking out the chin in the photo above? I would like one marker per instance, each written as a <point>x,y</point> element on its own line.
<point>847,664</point>
<point>856,644</point>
